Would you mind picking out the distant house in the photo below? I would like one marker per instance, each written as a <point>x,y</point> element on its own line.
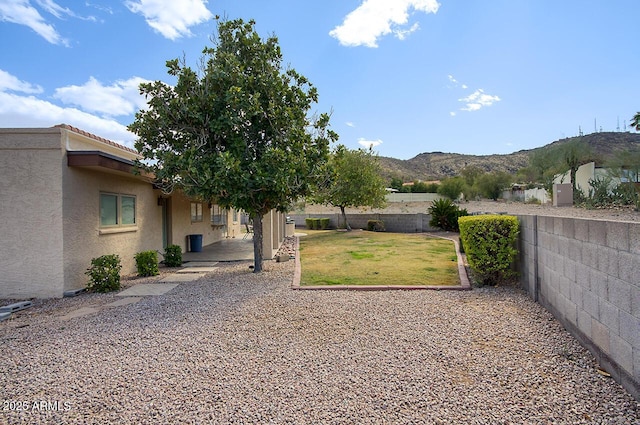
<point>585,174</point>
<point>69,196</point>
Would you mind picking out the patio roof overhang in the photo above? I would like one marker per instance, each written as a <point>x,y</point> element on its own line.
<point>105,162</point>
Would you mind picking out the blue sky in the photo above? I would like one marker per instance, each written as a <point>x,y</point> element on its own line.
<point>408,76</point>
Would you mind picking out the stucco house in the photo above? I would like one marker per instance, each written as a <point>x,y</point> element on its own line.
<point>69,196</point>
<point>589,172</point>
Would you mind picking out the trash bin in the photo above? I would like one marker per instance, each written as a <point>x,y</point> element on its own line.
<point>289,227</point>
<point>195,243</point>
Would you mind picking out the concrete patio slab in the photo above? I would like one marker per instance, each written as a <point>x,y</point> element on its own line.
<point>195,264</point>
<point>144,289</point>
<point>197,270</point>
<point>224,250</point>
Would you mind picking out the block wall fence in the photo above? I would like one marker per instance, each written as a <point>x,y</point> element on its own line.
<point>585,272</point>
<point>396,223</point>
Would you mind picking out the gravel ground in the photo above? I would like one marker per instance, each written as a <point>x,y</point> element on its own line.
<point>236,347</point>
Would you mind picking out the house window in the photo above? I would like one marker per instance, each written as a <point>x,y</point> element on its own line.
<point>117,210</point>
<point>218,215</point>
<point>196,212</point>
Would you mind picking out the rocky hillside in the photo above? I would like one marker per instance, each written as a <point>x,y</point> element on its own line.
<point>438,165</point>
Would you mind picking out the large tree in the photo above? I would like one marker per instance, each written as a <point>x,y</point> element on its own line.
<point>573,154</point>
<point>237,130</point>
<point>353,179</point>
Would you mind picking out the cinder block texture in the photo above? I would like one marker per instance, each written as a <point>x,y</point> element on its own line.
<point>588,274</point>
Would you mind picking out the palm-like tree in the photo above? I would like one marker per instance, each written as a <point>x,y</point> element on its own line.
<point>635,121</point>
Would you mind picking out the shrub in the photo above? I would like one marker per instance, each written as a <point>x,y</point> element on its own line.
<point>314,223</point>
<point>324,223</point>
<point>375,226</point>
<point>489,242</point>
<point>147,263</point>
<point>445,214</point>
<point>173,256</point>
<point>533,200</point>
<point>104,273</point>
<point>451,187</point>
<point>626,194</point>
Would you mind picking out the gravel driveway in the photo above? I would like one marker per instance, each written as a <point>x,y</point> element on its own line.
<point>235,347</point>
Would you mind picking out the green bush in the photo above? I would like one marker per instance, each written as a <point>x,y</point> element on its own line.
<point>451,187</point>
<point>173,256</point>
<point>445,214</point>
<point>375,226</point>
<point>147,263</point>
<point>314,223</point>
<point>104,273</point>
<point>489,242</point>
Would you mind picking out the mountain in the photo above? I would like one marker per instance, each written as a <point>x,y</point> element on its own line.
<point>438,165</point>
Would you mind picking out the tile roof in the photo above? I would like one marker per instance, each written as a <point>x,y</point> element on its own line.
<point>98,138</point>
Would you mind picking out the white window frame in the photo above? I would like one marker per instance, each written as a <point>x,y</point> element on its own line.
<point>119,224</point>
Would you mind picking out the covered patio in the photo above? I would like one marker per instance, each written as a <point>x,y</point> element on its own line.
<point>232,249</point>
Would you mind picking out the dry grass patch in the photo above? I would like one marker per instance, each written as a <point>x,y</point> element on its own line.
<point>371,258</point>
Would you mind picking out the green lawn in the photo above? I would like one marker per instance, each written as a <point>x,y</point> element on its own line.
<point>376,258</point>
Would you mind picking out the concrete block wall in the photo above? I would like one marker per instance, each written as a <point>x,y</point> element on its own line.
<point>397,223</point>
<point>587,273</point>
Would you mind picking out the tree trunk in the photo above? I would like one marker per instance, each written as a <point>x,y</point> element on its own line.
<point>344,217</point>
<point>257,243</point>
<point>574,186</point>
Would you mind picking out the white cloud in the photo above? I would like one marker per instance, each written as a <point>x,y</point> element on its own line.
<point>369,143</point>
<point>350,124</point>
<point>29,111</point>
<point>171,18</point>
<point>22,13</point>
<point>376,18</point>
<point>55,9</point>
<point>120,98</point>
<point>478,100</point>
<point>455,82</point>
<point>9,82</point>
<point>25,109</point>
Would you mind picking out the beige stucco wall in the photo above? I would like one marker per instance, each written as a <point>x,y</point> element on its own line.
<point>83,237</point>
<point>31,213</point>
<point>50,213</point>
<point>182,226</point>
<point>273,230</point>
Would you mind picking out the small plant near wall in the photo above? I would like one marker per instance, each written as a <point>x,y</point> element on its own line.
<point>104,273</point>
<point>147,263</point>
<point>375,226</point>
<point>445,214</point>
<point>173,256</point>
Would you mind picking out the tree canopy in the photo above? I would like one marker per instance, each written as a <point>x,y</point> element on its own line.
<point>635,121</point>
<point>236,131</point>
<point>353,180</point>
